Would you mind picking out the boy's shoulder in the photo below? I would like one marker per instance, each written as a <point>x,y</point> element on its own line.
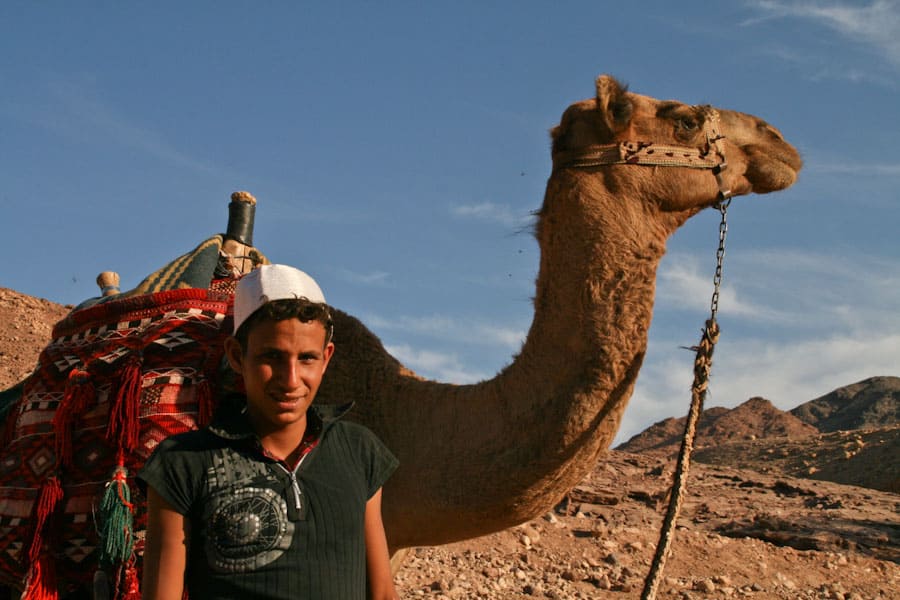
<point>189,441</point>
<point>335,418</point>
<point>356,437</point>
<point>351,429</point>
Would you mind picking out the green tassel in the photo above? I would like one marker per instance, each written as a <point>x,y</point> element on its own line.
<point>116,520</point>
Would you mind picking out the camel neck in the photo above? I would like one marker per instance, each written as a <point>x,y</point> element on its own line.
<point>594,296</point>
<point>547,416</point>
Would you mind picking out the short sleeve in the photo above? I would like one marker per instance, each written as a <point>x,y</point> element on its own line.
<point>174,471</point>
<point>378,462</point>
<point>381,466</point>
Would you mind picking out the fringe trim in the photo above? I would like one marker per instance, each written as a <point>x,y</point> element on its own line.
<point>78,396</point>
<point>124,426</point>
<point>41,571</point>
<point>41,581</point>
<point>50,496</point>
<point>130,588</point>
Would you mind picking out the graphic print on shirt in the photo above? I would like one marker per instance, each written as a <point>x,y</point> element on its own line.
<point>247,523</point>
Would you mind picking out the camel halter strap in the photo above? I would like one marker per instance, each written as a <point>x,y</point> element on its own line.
<point>712,157</point>
<point>709,156</point>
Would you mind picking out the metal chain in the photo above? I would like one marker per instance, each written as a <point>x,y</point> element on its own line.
<point>722,207</point>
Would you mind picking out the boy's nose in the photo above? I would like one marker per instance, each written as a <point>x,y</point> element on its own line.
<point>289,375</point>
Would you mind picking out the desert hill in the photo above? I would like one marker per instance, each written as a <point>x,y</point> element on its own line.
<point>756,522</point>
<point>850,436</point>
<point>26,323</point>
<point>869,404</point>
<point>756,418</point>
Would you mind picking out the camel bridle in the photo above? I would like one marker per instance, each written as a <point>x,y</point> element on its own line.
<point>710,155</point>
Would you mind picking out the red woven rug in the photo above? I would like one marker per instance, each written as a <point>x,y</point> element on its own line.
<point>117,378</point>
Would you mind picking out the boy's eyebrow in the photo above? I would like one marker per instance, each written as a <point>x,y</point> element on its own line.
<point>277,350</point>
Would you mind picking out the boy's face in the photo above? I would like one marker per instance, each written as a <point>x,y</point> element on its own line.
<point>282,367</point>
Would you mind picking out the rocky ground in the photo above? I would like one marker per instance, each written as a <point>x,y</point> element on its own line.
<point>762,531</point>
<point>742,534</point>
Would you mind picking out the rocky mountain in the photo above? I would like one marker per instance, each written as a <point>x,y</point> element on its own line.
<point>754,419</point>
<point>869,404</point>
<point>849,436</point>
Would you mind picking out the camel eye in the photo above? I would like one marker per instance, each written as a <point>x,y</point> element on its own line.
<point>686,124</point>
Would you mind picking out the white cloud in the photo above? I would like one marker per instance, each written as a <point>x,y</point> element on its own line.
<point>792,373</point>
<point>451,329</point>
<point>76,111</point>
<point>795,289</point>
<point>841,291</point>
<point>837,324</point>
<point>816,67</point>
<point>435,365</point>
<point>379,278</point>
<point>876,24</point>
<point>857,168</point>
<point>686,285</point>
<point>787,373</point>
<point>492,213</point>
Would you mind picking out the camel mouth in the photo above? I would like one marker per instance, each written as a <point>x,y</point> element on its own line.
<point>772,172</point>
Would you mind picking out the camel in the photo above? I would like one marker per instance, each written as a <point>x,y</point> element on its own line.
<point>628,171</point>
<point>480,458</point>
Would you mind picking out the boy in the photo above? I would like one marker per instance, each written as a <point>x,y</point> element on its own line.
<point>279,499</point>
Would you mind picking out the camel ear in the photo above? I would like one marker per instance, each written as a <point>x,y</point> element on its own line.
<point>613,103</point>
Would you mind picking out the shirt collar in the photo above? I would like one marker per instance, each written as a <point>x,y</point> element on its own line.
<point>231,422</point>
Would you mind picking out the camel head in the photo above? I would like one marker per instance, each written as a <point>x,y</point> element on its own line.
<point>622,129</point>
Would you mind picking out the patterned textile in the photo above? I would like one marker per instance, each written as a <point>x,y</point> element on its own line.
<point>119,376</point>
<point>194,269</point>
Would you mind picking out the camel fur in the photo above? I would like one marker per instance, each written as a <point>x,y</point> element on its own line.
<point>480,458</point>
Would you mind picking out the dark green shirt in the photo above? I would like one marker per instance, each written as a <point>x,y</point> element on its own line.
<point>259,530</point>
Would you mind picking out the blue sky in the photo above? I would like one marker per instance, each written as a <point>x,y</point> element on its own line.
<point>398,149</point>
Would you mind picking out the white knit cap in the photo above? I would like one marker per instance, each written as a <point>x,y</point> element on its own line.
<point>272,282</point>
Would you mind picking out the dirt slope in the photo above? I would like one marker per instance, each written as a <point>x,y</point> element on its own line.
<point>25,326</point>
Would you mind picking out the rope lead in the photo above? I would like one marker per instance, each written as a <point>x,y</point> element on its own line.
<point>702,368</point>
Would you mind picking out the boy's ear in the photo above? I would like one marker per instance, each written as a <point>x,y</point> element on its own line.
<point>234,353</point>
<point>329,352</point>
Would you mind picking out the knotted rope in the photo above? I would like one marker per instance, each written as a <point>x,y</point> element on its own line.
<point>702,368</point>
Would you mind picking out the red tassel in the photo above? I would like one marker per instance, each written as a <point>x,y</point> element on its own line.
<point>41,581</point>
<point>204,403</point>
<point>124,413</point>
<point>131,587</point>
<point>42,575</point>
<point>49,497</point>
<point>77,399</point>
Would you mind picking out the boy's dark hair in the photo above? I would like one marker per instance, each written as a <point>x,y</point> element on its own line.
<point>291,308</point>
